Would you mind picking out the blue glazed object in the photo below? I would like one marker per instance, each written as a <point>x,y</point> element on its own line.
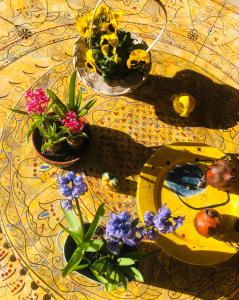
<point>184,179</point>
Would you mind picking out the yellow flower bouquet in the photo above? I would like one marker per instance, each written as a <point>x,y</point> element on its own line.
<point>109,59</point>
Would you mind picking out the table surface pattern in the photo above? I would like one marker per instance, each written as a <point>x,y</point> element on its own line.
<point>198,54</point>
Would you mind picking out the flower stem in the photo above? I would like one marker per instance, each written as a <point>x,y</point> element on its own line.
<point>80,217</point>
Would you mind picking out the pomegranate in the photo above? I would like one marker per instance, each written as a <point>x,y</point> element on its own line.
<point>221,174</point>
<point>208,222</point>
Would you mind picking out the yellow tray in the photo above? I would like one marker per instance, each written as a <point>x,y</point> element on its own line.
<point>186,244</point>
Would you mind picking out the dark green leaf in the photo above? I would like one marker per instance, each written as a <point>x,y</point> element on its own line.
<point>96,221</point>
<point>19,111</point>
<point>56,100</point>
<point>58,111</point>
<point>78,100</point>
<point>122,278</point>
<point>135,222</point>
<point>99,264</point>
<point>89,104</point>
<point>137,255</point>
<point>82,112</point>
<point>73,262</point>
<point>125,261</point>
<point>72,91</point>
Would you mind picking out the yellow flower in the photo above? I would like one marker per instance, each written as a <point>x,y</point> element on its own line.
<point>117,59</point>
<point>103,12</point>
<point>110,27</point>
<point>137,56</point>
<point>89,56</point>
<point>108,40</point>
<point>90,61</point>
<point>90,67</point>
<point>83,26</point>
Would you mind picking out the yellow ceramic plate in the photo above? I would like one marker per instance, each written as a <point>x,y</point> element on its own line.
<point>153,190</point>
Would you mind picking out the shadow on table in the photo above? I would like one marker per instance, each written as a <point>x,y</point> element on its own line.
<point>201,282</point>
<point>116,152</point>
<point>230,231</point>
<point>217,105</point>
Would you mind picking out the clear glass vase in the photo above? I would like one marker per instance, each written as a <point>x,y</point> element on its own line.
<point>153,12</point>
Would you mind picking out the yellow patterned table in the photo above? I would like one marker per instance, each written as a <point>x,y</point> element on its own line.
<point>198,54</point>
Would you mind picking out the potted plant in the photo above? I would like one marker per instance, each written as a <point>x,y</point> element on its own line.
<point>108,58</point>
<point>107,254</point>
<point>60,133</point>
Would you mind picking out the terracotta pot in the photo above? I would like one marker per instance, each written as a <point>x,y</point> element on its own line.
<point>60,159</point>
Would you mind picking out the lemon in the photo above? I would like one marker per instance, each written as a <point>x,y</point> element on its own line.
<point>183,104</point>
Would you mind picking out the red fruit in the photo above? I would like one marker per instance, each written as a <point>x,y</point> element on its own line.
<point>221,175</point>
<point>208,222</point>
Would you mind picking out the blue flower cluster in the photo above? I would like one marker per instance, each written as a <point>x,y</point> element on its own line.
<point>162,221</point>
<point>122,229</point>
<point>71,186</point>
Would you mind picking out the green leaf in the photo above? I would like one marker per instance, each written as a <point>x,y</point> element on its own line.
<point>99,264</point>
<point>81,267</point>
<point>46,146</point>
<point>32,127</point>
<point>84,245</point>
<point>89,104</point>
<point>73,262</point>
<point>125,261</point>
<point>122,278</point>
<point>100,278</point>
<point>72,91</point>
<point>109,287</point>
<point>82,112</point>
<point>75,223</point>
<point>137,255</point>
<point>95,246</point>
<point>58,111</point>
<point>96,221</point>
<point>72,234</point>
<point>135,222</point>
<point>78,100</point>
<point>134,273</point>
<point>56,100</point>
<point>19,111</point>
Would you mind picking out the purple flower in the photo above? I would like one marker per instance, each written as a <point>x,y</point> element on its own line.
<point>164,222</point>
<point>178,221</point>
<point>72,185</point>
<point>120,228</point>
<point>113,247</point>
<point>149,217</point>
<point>67,204</point>
<point>150,234</point>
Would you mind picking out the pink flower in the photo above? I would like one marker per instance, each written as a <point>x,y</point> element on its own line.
<point>36,101</point>
<point>70,121</point>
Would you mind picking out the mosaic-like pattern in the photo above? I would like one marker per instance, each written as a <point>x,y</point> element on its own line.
<point>198,54</point>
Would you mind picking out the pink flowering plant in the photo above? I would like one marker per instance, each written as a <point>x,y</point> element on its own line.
<point>55,120</point>
<point>108,252</point>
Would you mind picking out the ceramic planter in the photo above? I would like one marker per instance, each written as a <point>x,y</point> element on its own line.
<point>70,246</point>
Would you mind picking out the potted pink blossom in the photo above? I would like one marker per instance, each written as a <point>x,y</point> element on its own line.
<point>60,133</point>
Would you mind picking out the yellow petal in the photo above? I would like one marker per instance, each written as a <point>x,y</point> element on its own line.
<point>89,56</point>
<point>105,49</point>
